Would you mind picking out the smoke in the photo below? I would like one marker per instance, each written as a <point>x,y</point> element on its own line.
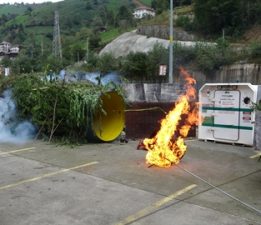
<point>92,77</point>
<point>11,129</point>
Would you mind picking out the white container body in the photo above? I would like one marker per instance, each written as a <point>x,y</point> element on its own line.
<point>227,112</point>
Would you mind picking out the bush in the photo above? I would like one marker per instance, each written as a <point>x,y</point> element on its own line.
<point>134,66</point>
<point>212,57</point>
<point>255,51</point>
<point>107,63</point>
<point>66,108</point>
<point>184,21</point>
<point>183,55</point>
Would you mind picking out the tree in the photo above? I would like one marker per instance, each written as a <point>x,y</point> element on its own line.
<point>212,16</point>
<point>53,64</point>
<point>107,63</point>
<point>94,41</point>
<point>78,52</point>
<point>22,64</point>
<point>124,14</point>
<point>157,56</point>
<point>160,5</point>
<point>135,65</point>
<point>106,15</point>
<point>6,62</point>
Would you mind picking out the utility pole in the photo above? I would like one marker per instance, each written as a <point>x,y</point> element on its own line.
<point>87,51</point>
<point>57,46</point>
<point>171,43</point>
<point>42,47</point>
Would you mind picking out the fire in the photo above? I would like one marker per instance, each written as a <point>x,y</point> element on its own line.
<point>167,147</point>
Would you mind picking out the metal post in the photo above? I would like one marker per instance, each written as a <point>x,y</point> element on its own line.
<point>171,43</point>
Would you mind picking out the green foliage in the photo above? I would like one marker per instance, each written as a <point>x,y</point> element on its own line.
<point>144,66</point>
<point>77,21</point>
<point>233,16</point>
<point>134,66</point>
<point>146,2</point>
<point>6,9</point>
<point>92,62</point>
<point>6,62</point>
<point>163,5</point>
<point>160,5</point>
<point>183,55</point>
<point>66,108</point>
<point>185,22</point>
<point>114,5</point>
<point>124,18</point>
<point>184,9</point>
<point>107,63</point>
<point>156,57</point>
<point>255,52</point>
<point>109,35</point>
<point>94,41</point>
<point>258,106</point>
<point>210,58</point>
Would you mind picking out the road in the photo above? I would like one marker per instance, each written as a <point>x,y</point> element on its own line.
<point>110,183</point>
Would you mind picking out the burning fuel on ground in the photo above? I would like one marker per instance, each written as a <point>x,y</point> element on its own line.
<point>167,147</point>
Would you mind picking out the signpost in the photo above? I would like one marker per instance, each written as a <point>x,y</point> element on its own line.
<point>171,43</point>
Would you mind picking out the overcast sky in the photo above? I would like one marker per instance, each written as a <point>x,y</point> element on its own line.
<point>27,1</point>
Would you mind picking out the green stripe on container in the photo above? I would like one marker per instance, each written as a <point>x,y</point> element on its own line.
<point>227,126</point>
<point>227,109</point>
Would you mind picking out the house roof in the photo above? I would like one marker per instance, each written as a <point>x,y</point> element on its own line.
<point>4,43</point>
<point>144,8</point>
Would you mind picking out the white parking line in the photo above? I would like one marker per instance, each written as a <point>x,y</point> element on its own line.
<point>45,175</point>
<point>155,206</point>
<point>15,151</point>
<point>255,156</point>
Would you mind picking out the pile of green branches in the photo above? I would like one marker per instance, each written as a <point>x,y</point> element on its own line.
<point>58,109</point>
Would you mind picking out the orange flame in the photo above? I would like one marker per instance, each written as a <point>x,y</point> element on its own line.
<point>168,147</point>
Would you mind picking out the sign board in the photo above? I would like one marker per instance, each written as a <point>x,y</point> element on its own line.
<point>163,70</point>
<point>226,114</point>
<point>7,71</point>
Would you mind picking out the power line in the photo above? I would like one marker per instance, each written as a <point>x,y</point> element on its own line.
<point>57,46</point>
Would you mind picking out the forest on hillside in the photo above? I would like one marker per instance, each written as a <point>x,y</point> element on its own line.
<point>86,26</point>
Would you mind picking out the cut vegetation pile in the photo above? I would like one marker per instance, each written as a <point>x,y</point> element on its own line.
<point>58,109</point>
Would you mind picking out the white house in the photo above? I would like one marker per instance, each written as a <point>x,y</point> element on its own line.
<point>14,50</point>
<point>142,12</point>
<point>4,47</point>
<point>7,49</point>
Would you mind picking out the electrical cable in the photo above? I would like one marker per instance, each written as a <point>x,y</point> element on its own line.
<point>222,191</point>
<point>146,109</point>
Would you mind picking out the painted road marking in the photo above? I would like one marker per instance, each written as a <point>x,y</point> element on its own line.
<point>255,156</point>
<point>189,140</point>
<point>15,151</point>
<point>45,175</point>
<point>155,206</point>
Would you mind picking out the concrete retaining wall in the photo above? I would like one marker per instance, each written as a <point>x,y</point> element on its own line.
<point>162,31</point>
<point>146,107</point>
<point>258,130</point>
<point>152,93</point>
<point>250,73</point>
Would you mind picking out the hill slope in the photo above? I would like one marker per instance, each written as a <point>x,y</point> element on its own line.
<point>35,21</point>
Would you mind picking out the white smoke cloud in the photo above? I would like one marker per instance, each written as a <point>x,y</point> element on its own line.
<point>11,129</point>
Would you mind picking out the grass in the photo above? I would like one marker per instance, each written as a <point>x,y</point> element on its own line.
<point>182,10</point>
<point>108,36</point>
<point>162,19</point>
<point>146,2</point>
<point>18,10</point>
<point>114,5</point>
<point>40,29</point>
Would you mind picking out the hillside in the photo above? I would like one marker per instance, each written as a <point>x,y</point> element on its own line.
<point>35,21</point>
<point>87,26</point>
<point>10,9</point>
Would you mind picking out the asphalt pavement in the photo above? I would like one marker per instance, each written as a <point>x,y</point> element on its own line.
<point>110,183</point>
